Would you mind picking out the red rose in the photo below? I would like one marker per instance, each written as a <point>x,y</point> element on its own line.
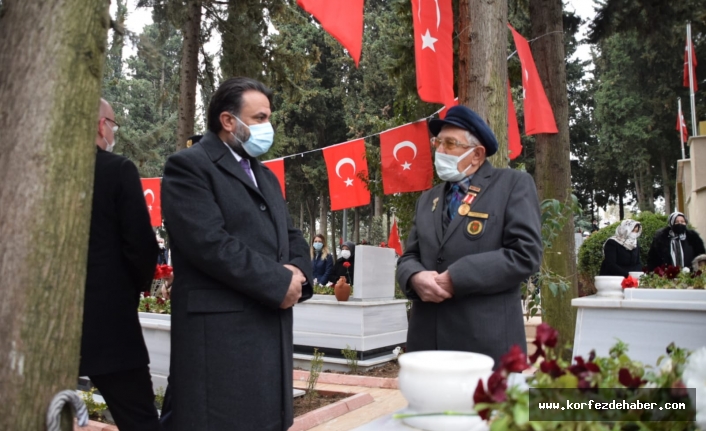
<point>146,294</point>
<point>496,393</point>
<point>551,368</point>
<point>514,361</point>
<point>629,282</point>
<point>346,264</point>
<point>672,272</point>
<point>160,301</point>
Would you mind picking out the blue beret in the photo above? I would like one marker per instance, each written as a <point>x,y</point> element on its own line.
<point>463,117</point>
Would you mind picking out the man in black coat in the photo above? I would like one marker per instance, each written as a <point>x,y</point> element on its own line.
<point>122,254</point>
<point>239,267</point>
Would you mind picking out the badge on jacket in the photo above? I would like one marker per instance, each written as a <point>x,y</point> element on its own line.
<point>434,203</point>
<point>474,227</point>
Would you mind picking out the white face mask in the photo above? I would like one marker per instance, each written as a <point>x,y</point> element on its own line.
<point>634,235</point>
<point>109,146</point>
<point>346,254</point>
<point>447,166</point>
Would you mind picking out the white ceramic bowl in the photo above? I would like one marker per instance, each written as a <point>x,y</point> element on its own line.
<point>609,286</point>
<point>636,275</point>
<point>438,381</point>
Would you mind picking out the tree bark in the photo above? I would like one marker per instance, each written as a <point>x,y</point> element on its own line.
<point>356,225</point>
<point>553,167</point>
<point>301,217</point>
<point>482,66</point>
<point>332,244</point>
<point>667,186</point>
<point>189,72</point>
<point>621,206</point>
<point>52,54</point>
<point>312,219</point>
<point>378,206</point>
<point>323,214</point>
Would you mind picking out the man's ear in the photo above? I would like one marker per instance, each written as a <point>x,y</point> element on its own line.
<point>228,123</point>
<point>101,123</point>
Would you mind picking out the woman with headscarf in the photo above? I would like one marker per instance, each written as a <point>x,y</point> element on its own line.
<point>344,264</point>
<point>675,244</point>
<point>621,253</point>
<point>321,260</point>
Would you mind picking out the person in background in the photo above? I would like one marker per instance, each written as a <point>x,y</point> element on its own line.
<point>163,256</point>
<point>345,263</point>
<point>675,244</point>
<point>122,254</point>
<point>594,226</point>
<point>321,260</point>
<point>621,252</point>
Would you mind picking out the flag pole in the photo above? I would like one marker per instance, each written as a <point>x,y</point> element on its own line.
<point>691,80</point>
<point>681,132</point>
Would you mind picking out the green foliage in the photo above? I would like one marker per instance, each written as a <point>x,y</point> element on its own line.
<point>152,304</point>
<point>159,398</point>
<point>351,358</point>
<point>554,216</point>
<point>591,251</point>
<point>317,363</point>
<point>95,409</point>
<point>683,280</point>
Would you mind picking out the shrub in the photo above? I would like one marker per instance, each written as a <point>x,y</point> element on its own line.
<point>591,251</point>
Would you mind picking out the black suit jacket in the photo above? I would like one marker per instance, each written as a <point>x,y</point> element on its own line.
<point>122,254</point>
<point>232,346</point>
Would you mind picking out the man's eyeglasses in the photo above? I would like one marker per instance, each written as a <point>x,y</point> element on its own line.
<point>115,127</point>
<point>448,143</point>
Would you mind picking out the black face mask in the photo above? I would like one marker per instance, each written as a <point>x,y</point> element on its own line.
<point>679,229</point>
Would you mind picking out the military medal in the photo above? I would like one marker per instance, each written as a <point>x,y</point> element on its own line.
<point>466,203</point>
<point>474,189</point>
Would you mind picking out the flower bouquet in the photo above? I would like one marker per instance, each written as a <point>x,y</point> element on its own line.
<point>673,277</point>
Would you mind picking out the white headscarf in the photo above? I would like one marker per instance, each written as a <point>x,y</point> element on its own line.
<point>623,234</point>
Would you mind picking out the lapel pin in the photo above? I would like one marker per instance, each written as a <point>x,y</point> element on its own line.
<point>435,202</point>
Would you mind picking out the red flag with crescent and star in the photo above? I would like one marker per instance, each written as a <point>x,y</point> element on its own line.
<point>539,117</point>
<point>277,168</point>
<point>344,163</point>
<point>341,19</point>
<point>514,143</point>
<point>433,50</point>
<point>152,188</point>
<point>406,161</point>
<point>694,63</point>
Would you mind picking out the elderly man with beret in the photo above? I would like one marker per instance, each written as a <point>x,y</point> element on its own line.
<point>475,238</point>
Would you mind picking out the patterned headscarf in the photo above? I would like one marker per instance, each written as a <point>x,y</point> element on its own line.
<point>622,234</point>
<point>675,240</point>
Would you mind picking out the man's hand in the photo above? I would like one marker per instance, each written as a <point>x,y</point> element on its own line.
<point>444,281</point>
<point>424,283</point>
<point>295,287</point>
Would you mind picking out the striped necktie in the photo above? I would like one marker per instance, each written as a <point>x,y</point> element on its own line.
<point>456,199</point>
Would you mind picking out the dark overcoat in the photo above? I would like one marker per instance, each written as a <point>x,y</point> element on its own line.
<point>487,259</point>
<point>122,254</point>
<point>231,357</point>
<point>660,249</point>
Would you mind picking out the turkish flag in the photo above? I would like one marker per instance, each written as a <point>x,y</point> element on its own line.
<point>277,168</point>
<point>344,162</point>
<point>433,50</point>
<point>152,188</point>
<point>513,130</point>
<point>681,126</point>
<point>539,117</point>
<point>341,19</point>
<point>445,109</point>
<point>394,240</point>
<point>686,64</point>
<point>406,159</point>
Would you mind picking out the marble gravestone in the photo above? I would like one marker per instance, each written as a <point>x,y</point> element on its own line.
<point>371,322</point>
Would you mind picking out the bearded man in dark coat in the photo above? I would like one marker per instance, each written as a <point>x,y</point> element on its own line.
<point>239,266</point>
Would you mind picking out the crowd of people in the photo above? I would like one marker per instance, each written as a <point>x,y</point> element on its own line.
<point>240,266</point>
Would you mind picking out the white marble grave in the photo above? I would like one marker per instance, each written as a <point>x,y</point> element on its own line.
<point>374,273</point>
<point>648,320</point>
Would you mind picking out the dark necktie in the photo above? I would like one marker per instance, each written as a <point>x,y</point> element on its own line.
<point>244,163</point>
<point>456,199</point>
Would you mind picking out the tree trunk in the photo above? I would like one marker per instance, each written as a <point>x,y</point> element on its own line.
<point>52,54</point>
<point>301,217</point>
<point>553,167</point>
<point>356,225</point>
<point>312,219</point>
<point>621,206</point>
<point>332,244</point>
<point>323,214</point>
<point>482,66</point>
<point>378,206</point>
<point>189,72</point>
<point>667,186</point>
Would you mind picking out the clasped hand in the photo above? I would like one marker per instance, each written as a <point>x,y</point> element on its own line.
<point>294,293</point>
<point>432,286</point>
